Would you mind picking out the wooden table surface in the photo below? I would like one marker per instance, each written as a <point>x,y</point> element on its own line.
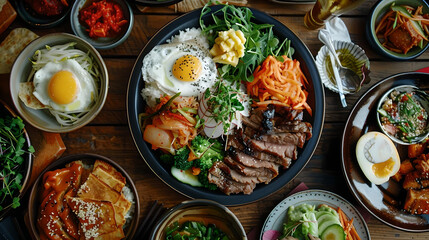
<point>108,134</point>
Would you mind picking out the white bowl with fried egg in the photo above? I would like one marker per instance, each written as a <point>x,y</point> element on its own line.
<point>62,86</point>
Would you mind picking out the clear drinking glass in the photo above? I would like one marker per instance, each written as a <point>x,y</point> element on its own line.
<point>324,10</point>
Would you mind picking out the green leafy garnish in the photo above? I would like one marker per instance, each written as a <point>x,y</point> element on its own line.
<point>223,102</point>
<point>12,150</point>
<point>192,230</point>
<point>260,40</point>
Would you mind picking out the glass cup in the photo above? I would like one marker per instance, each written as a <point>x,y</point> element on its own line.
<point>323,10</point>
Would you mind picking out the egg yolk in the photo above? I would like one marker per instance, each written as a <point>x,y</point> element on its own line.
<point>383,169</point>
<point>187,68</point>
<point>62,88</point>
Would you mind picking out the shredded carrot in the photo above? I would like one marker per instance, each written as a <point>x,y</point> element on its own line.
<point>196,171</point>
<point>279,83</point>
<point>394,20</point>
<point>349,228</point>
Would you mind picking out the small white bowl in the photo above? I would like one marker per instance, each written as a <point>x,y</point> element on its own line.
<point>321,60</point>
<point>21,69</point>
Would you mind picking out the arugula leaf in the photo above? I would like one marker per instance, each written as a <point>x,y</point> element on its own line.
<point>260,40</point>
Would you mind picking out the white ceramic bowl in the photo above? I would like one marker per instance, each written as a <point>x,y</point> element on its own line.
<point>321,60</point>
<point>21,69</point>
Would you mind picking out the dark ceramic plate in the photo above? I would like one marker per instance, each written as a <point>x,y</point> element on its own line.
<point>316,100</point>
<point>36,20</point>
<point>27,166</point>
<point>33,202</point>
<point>382,201</point>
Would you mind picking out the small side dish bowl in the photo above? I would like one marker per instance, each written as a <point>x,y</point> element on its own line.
<point>351,56</point>
<point>109,42</point>
<point>36,20</point>
<point>21,70</point>
<point>376,14</point>
<point>26,167</point>
<point>34,201</point>
<point>417,95</point>
<point>200,210</point>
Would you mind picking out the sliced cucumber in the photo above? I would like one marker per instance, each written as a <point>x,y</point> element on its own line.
<point>327,223</point>
<point>333,232</point>
<point>186,176</point>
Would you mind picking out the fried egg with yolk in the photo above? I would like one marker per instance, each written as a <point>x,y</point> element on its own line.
<point>178,67</point>
<point>64,86</point>
<point>377,157</point>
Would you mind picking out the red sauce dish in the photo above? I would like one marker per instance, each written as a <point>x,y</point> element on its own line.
<point>102,18</point>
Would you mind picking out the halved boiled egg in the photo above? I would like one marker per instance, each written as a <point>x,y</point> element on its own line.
<point>377,157</point>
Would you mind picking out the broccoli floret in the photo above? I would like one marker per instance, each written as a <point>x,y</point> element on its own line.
<point>207,150</point>
<point>202,177</point>
<point>181,159</point>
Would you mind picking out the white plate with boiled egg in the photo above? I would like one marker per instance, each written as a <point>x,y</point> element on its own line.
<point>370,158</point>
<point>144,69</point>
<point>59,83</point>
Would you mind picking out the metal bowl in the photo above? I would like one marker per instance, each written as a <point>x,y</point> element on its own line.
<point>420,96</point>
<point>205,210</point>
<point>21,69</point>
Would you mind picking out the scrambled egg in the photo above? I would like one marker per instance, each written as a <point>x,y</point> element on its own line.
<point>228,47</point>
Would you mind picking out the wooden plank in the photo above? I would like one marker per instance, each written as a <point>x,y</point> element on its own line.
<point>268,7</point>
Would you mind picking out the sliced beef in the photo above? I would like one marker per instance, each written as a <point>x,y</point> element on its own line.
<point>297,139</point>
<point>236,176</point>
<point>249,171</point>
<point>238,144</point>
<point>279,150</point>
<point>227,185</point>
<point>250,161</point>
<point>269,138</point>
<point>295,126</point>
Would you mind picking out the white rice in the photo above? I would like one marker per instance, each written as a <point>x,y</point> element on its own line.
<point>192,35</point>
<point>128,194</point>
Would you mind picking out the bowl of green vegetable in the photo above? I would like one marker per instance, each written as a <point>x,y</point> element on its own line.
<point>402,114</point>
<point>16,160</point>
<point>199,218</point>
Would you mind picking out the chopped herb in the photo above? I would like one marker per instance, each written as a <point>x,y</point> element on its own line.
<point>223,102</point>
<point>12,150</point>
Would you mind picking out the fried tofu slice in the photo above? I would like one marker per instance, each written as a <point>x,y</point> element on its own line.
<point>95,189</point>
<point>106,176</point>
<point>96,218</point>
<point>109,175</point>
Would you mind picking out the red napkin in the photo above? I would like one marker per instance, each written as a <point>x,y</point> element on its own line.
<point>424,70</point>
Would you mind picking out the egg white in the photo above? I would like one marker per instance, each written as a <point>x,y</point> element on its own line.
<point>85,84</point>
<point>373,148</point>
<point>157,71</point>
